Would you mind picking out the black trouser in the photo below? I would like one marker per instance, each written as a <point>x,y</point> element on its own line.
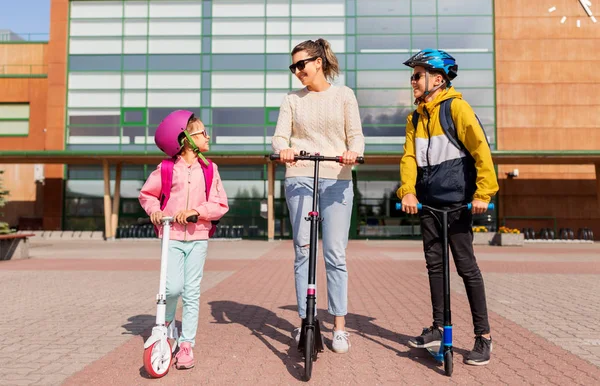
<point>460,239</point>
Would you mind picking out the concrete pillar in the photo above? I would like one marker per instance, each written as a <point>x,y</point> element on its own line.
<point>107,201</point>
<point>116,201</point>
<point>270,201</point>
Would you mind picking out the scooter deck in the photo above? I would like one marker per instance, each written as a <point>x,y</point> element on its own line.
<point>435,353</point>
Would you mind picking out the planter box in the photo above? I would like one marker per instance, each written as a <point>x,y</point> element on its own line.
<point>509,239</point>
<point>483,238</point>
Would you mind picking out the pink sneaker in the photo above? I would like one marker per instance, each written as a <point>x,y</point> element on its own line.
<point>185,357</point>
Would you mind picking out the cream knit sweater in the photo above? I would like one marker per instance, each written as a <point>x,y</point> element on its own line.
<point>326,122</point>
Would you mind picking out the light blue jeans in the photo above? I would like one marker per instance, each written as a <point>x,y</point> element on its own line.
<point>335,207</point>
<point>184,273</point>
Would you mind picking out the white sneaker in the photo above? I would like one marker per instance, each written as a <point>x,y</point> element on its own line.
<point>341,342</point>
<point>296,334</point>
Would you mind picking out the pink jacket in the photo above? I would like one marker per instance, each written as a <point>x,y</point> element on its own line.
<point>187,192</point>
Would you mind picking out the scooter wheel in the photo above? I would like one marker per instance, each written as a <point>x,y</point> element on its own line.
<point>157,362</point>
<point>448,365</point>
<point>309,350</point>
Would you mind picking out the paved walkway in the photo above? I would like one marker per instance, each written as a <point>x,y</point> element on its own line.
<point>78,314</point>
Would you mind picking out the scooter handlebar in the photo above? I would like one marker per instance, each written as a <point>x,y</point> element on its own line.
<point>146,220</point>
<point>315,157</point>
<point>420,206</point>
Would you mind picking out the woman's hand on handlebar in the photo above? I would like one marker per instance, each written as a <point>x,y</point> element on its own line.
<point>478,207</point>
<point>409,204</point>
<point>349,157</point>
<point>287,155</point>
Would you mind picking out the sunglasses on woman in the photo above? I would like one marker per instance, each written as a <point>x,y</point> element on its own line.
<point>301,64</point>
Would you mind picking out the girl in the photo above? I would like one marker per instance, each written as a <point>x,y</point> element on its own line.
<point>183,137</point>
<point>320,118</point>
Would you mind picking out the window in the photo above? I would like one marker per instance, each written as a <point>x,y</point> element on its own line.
<point>14,119</point>
<point>133,117</point>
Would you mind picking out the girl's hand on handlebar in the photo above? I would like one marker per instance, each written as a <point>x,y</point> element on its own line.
<point>156,217</point>
<point>409,204</point>
<point>181,216</point>
<point>479,207</point>
<point>349,157</point>
<point>287,155</point>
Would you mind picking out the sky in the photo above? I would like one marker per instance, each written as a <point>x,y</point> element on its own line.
<point>25,16</point>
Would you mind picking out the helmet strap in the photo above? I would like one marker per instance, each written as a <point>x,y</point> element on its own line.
<point>195,148</point>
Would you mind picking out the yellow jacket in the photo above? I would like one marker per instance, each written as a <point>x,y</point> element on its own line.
<point>437,171</point>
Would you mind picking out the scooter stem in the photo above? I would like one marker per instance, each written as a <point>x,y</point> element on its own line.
<point>313,216</point>
<point>161,298</point>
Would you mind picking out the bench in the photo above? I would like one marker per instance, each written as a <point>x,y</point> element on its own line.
<point>14,245</point>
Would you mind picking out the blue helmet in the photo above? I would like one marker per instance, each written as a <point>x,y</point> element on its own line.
<point>432,59</point>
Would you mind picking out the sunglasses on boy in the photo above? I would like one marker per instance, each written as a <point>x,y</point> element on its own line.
<point>301,64</point>
<point>416,76</point>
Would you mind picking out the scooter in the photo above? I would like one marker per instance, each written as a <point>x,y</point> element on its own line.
<point>311,341</point>
<point>444,353</point>
<point>158,350</point>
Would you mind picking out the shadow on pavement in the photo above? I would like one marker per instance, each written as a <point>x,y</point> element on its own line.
<point>262,323</point>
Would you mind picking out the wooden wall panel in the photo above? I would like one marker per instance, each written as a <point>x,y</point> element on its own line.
<point>551,95</point>
<point>547,99</point>
<point>23,59</point>
<point>34,92</point>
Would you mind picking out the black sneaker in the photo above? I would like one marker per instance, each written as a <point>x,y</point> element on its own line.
<point>430,337</point>
<point>480,355</point>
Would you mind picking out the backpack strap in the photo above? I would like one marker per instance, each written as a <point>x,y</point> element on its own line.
<point>209,172</point>
<point>166,177</point>
<point>448,124</point>
<point>415,119</point>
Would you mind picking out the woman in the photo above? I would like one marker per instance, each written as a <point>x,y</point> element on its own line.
<point>320,118</point>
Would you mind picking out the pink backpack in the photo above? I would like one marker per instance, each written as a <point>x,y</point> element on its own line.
<point>166,174</point>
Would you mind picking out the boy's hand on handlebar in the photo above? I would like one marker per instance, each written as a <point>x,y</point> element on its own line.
<point>409,204</point>
<point>156,217</point>
<point>349,157</point>
<point>478,207</point>
<point>182,216</point>
<point>287,155</point>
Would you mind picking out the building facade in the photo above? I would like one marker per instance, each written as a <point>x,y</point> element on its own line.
<point>116,68</point>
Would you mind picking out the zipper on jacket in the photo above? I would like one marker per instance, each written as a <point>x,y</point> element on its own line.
<point>187,199</point>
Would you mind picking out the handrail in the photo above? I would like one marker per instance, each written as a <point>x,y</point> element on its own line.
<point>13,37</point>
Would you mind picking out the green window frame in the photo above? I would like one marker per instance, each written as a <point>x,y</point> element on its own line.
<point>11,113</point>
<point>127,122</point>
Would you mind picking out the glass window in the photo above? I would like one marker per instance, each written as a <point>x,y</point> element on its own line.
<point>95,62</point>
<point>478,97</point>
<point>96,9</point>
<point>377,61</point>
<point>483,43</point>
<point>134,62</point>
<point>383,25</point>
<point>423,7</point>
<point>383,7</point>
<point>96,131</point>
<point>473,61</point>
<point>383,79</point>
<point>465,7</point>
<point>173,8</point>
<point>94,120</point>
<point>424,25</point>
<point>238,62</point>
<point>420,42</point>
<point>134,116</point>
<point>14,119</point>
<point>474,78</point>
<point>457,24</point>
<point>400,97</point>
<point>237,116</point>
<point>385,116</point>
<point>157,114</point>
<point>174,62</point>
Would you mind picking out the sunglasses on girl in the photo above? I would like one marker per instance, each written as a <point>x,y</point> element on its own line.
<point>301,64</point>
<point>203,132</point>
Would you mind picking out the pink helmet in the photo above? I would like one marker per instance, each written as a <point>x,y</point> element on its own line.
<point>170,130</point>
